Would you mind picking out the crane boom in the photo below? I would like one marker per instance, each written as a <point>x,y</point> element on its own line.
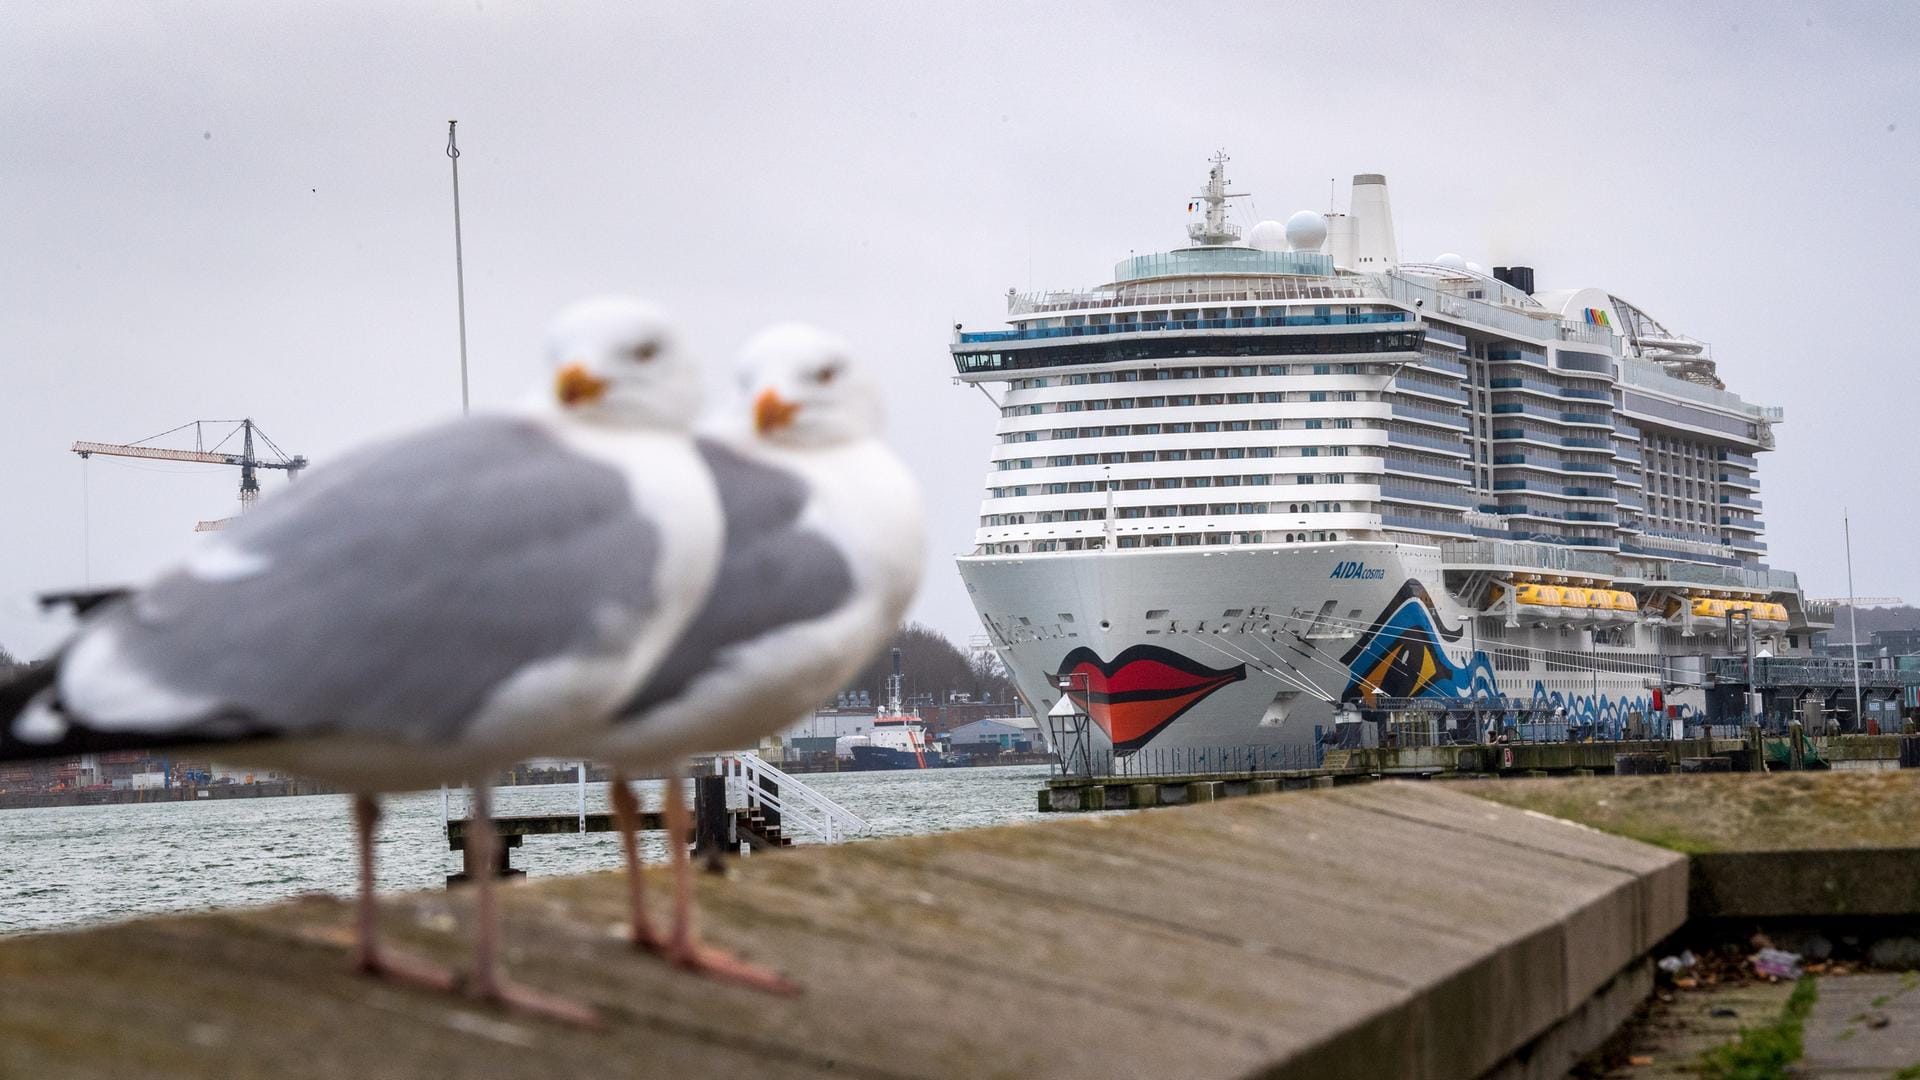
<point>158,453</point>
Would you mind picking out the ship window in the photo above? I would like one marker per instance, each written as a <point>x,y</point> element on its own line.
<point>1157,613</point>
<point>1232,613</point>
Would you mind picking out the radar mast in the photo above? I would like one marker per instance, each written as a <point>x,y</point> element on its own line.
<point>1214,229</point>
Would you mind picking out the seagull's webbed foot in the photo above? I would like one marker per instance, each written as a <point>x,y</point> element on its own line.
<point>408,970</point>
<point>726,967</point>
<point>518,997</point>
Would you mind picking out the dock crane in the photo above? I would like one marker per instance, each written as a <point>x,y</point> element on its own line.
<point>245,460</point>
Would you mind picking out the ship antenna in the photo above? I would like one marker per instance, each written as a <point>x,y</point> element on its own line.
<point>1214,229</point>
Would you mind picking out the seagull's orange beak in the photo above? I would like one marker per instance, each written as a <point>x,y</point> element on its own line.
<point>771,412</point>
<point>575,385</point>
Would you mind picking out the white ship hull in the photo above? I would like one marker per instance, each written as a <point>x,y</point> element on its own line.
<point>1260,646</point>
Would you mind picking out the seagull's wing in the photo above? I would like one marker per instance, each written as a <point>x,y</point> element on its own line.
<point>388,596</point>
<point>774,572</point>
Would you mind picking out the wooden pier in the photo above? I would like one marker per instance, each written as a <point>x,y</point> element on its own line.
<point>716,830</point>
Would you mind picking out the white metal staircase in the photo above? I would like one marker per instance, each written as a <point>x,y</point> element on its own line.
<point>755,785</point>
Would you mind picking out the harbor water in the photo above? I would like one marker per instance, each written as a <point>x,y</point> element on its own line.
<point>67,866</point>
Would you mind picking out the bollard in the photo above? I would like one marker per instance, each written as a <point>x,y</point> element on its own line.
<point>1640,763</point>
<point>1756,749</point>
<point>710,840</point>
<point>1797,753</point>
<point>1204,791</point>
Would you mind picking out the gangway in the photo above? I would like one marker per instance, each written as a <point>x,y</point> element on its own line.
<point>753,783</point>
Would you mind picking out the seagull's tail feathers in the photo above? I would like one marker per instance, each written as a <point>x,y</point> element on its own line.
<point>18,693</point>
<point>83,601</point>
<point>34,726</point>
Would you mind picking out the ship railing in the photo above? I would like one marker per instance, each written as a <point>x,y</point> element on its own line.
<point>1193,761</point>
<point>1196,290</point>
<point>753,783</point>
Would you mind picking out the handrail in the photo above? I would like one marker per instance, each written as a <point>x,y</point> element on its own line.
<point>795,802</point>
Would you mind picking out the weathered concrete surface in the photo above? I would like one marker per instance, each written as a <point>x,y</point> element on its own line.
<point>1684,1024</point>
<point>1863,1025</point>
<point>1822,844</point>
<point>1388,930</point>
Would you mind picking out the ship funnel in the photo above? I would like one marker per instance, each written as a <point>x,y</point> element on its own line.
<point>1340,239</point>
<point>1520,277</point>
<point>1374,249</point>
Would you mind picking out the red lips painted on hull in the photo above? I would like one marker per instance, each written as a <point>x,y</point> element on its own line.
<point>1134,696</point>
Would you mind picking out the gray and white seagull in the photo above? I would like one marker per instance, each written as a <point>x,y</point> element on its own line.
<point>823,554</point>
<point>426,610</point>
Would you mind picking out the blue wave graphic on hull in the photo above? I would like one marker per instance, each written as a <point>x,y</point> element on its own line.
<point>1402,656</point>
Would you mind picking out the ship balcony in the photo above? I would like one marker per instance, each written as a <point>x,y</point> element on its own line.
<point>1550,442</point>
<point>1530,460</point>
<point>1739,481</point>
<point>1405,493</point>
<point>1405,385</point>
<point>1424,523</point>
<point>1524,383</point>
<point>1734,457</point>
<point>1450,418</point>
<point>1554,490</point>
<point>1435,362</point>
<point>1583,419</point>
<point>1747,525</point>
<point>1740,501</point>
<point>1454,445</point>
<point>1416,468</point>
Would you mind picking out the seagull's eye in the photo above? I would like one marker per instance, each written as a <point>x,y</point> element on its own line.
<point>827,374</point>
<point>644,352</point>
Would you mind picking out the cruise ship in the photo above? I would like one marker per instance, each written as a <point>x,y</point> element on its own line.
<point>1252,489</point>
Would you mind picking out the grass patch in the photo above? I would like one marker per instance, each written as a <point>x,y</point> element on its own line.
<point>1765,1052</point>
<point>1911,1072</point>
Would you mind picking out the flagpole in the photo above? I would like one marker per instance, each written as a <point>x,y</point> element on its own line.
<point>459,264</point>
<point>1853,620</point>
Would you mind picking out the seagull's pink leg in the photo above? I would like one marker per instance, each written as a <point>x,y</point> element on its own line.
<point>626,813</point>
<point>488,983</point>
<point>368,955</point>
<point>683,945</point>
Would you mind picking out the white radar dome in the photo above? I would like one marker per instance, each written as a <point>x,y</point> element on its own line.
<point>1451,261</point>
<point>1307,230</point>
<point>1268,236</point>
<point>1476,268</point>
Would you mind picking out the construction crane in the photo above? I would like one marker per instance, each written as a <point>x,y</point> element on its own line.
<point>245,460</point>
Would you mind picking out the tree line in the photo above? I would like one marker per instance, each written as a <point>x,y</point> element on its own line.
<point>934,670</point>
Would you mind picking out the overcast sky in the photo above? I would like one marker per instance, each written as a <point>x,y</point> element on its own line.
<point>224,210</point>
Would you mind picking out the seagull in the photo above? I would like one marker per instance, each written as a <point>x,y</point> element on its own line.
<point>822,555</point>
<point>430,608</point>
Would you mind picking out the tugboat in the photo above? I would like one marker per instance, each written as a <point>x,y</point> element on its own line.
<point>899,740</point>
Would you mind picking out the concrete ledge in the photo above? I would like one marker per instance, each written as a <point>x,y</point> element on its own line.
<point>1399,930</point>
<point>1791,884</point>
